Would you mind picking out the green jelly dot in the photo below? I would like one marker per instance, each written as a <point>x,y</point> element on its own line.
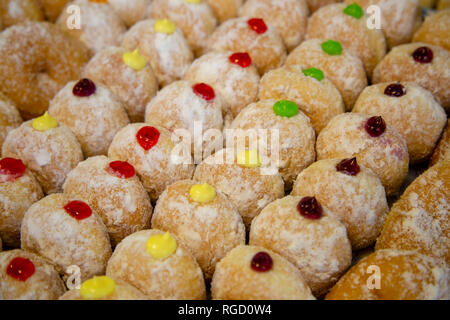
<point>285,108</point>
<point>354,10</point>
<point>333,48</point>
<point>314,73</point>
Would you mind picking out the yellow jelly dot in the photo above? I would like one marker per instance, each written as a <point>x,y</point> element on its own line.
<point>160,246</point>
<point>134,60</point>
<point>194,1</point>
<point>249,159</point>
<point>202,193</point>
<point>97,288</point>
<point>44,122</point>
<point>164,26</point>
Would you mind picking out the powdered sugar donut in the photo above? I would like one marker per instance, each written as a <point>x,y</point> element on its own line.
<point>305,232</point>
<point>17,11</point>
<point>127,75</point>
<point>289,17</point>
<point>159,265</point>
<point>225,9</point>
<point>92,112</point>
<point>442,151</point>
<point>411,110</point>
<point>164,47</point>
<point>114,192</point>
<point>9,117</point>
<point>18,191</point>
<point>253,35</point>
<point>317,4</point>
<point>342,68</point>
<point>232,74</point>
<point>130,11</point>
<point>435,30</point>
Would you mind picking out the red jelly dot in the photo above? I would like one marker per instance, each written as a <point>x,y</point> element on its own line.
<point>262,262</point>
<point>78,209</point>
<point>20,269</point>
<point>204,91</point>
<point>84,88</point>
<point>310,208</point>
<point>423,55</point>
<point>375,126</point>
<point>257,25</point>
<point>395,90</point>
<point>147,137</point>
<point>121,169</point>
<point>349,167</point>
<point>11,169</point>
<point>241,59</point>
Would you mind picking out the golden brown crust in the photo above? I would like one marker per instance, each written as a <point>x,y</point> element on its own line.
<point>9,117</point>
<point>435,30</point>
<point>225,9</point>
<point>317,4</point>
<point>53,8</point>
<point>17,11</point>
<point>442,151</point>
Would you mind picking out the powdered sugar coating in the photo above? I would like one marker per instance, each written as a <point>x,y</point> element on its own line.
<point>9,117</point>
<point>130,11</point>
<point>225,9</point>
<point>442,151</point>
<point>17,11</point>
<point>435,30</point>
<point>317,4</point>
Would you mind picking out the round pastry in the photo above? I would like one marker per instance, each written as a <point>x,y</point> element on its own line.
<point>18,191</point>
<point>159,265</point>
<point>26,276</point>
<point>127,75</point>
<point>289,17</point>
<point>239,175</point>
<point>17,11</point>
<point>92,112</point>
<point>163,46</point>
<point>314,5</point>
<point>393,275</point>
<point>353,193</point>
<point>306,233</point>
<point>9,117</point>
<point>419,220</point>
<point>48,148</point>
<point>232,74</point>
<point>130,12</point>
<point>24,50</point>
<point>114,192</point>
<point>100,26</point>
<point>442,151</point>
<point>296,133</point>
<point>53,8</point>
<point>375,144</point>
<point>315,95</point>
<point>253,35</point>
<point>411,110</point>
<point>67,232</point>
<point>339,66</point>
<point>348,25</point>
<point>435,30</point>
<point>104,288</point>
<point>424,64</point>
<point>255,273</point>
<point>194,17</point>
<point>225,9</point>
<point>152,152</point>
<point>204,220</point>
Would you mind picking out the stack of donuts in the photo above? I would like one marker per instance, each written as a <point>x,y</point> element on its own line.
<point>107,192</point>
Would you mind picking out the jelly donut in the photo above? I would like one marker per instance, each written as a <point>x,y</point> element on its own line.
<point>159,265</point>
<point>296,133</point>
<point>442,151</point>
<point>253,35</point>
<point>238,174</point>
<point>131,12</point>
<point>18,191</point>
<point>164,47</point>
<point>127,75</point>
<point>255,273</point>
<point>314,5</point>
<point>26,276</point>
<point>92,112</point>
<point>315,95</point>
<point>411,110</point>
<point>9,117</point>
<point>375,145</point>
<point>17,11</point>
<point>424,64</point>
<point>225,9</point>
<point>305,232</point>
<point>353,193</point>
<point>104,288</point>
<point>419,220</point>
<point>115,192</point>
<point>38,59</point>
<point>232,74</point>
<point>204,220</point>
<point>194,17</point>
<point>289,17</point>
<point>48,148</point>
<point>393,275</point>
<point>435,30</point>
<point>152,153</point>
<point>67,232</point>
<point>348,25</point>
<point>100,26</point>
<point>53,8</point>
